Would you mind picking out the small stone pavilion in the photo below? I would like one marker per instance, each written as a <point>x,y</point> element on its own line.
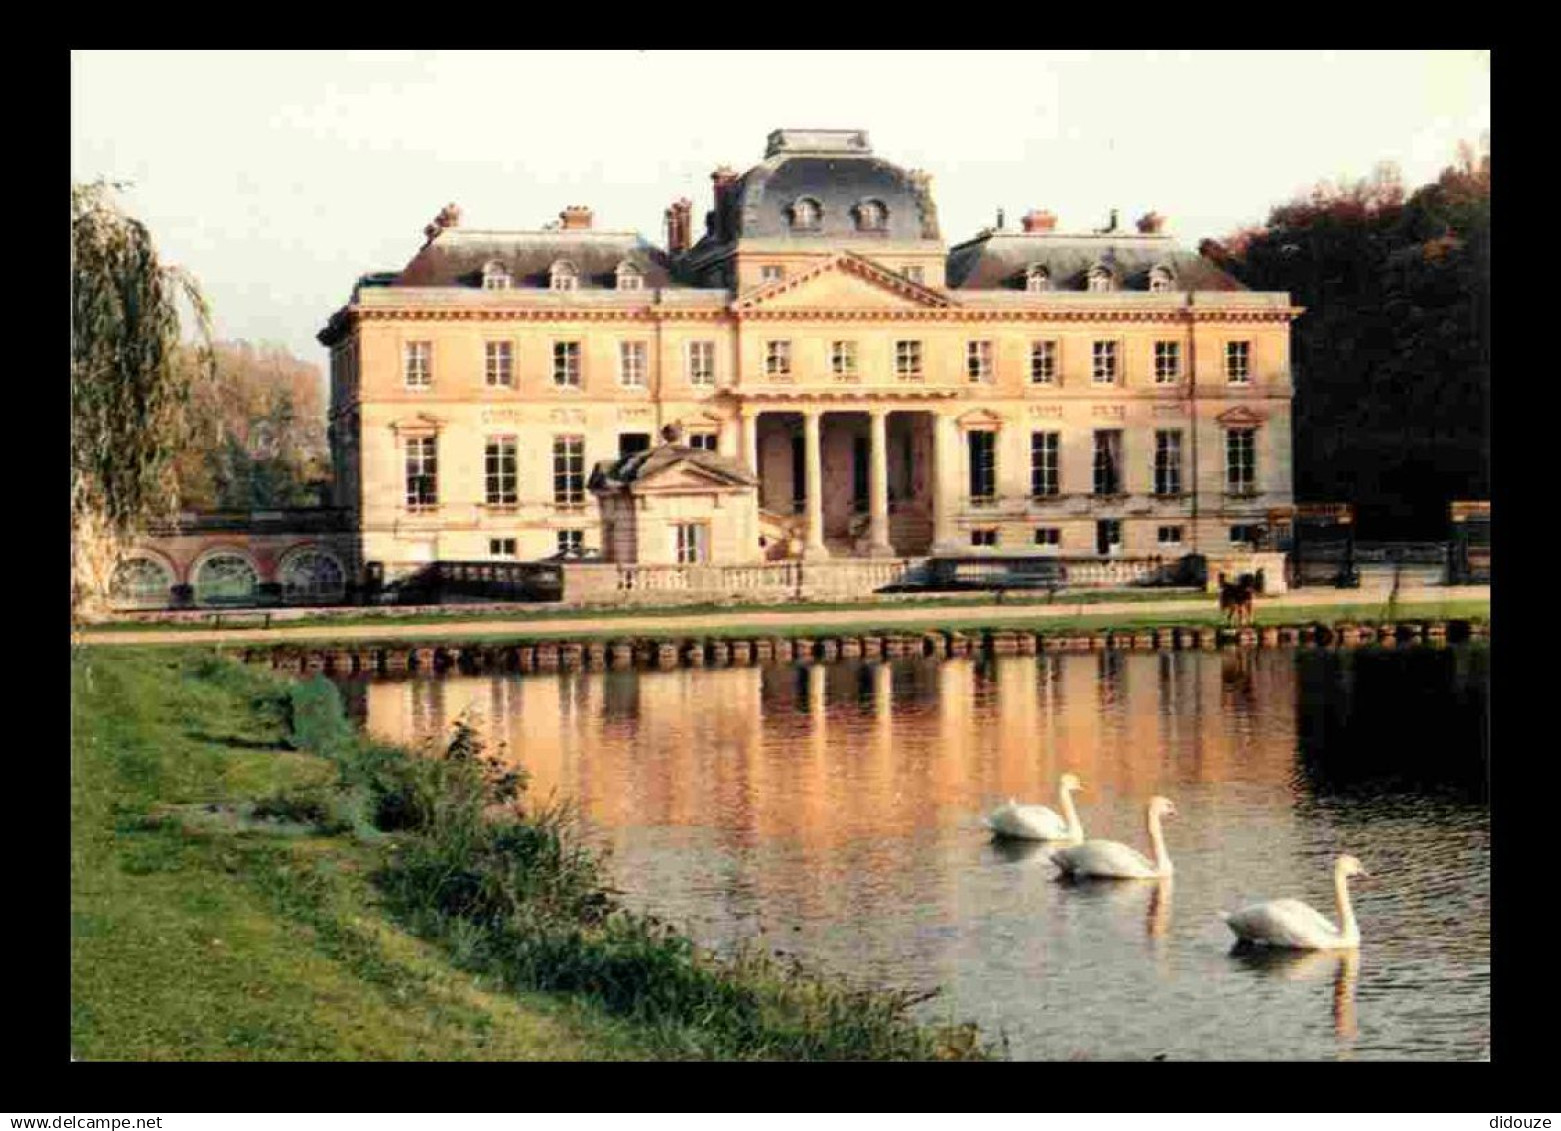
<point>678,505</point>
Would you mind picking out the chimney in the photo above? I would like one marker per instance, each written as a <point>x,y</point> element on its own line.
<point>721,182</point>
<point>679,218</point>
<point>576,218</point>
<point>1150,223</point>
<point>1038,221</point>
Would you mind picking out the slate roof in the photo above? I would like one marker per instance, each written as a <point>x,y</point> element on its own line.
<point>456,257</point>
<point>609,475</point>
<point>1001,260</point>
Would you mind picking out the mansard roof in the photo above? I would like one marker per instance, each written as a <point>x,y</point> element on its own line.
<point>1001,260</point>
<point>455,257</point>
<point>611,475</point>
<point>835,169</point>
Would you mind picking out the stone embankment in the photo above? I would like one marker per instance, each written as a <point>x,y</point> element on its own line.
<point>697,652</point>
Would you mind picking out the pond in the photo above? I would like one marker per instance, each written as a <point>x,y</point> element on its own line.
<point>835,811</point>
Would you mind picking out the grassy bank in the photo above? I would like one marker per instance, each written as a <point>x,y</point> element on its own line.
<point>252,879</point>
<point>393,617</point>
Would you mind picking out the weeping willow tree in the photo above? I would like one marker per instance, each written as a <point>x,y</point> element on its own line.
<point>128,388</point>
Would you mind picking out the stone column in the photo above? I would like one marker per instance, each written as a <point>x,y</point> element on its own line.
<point>878,485</point>
<point>813,469</point>
<point>945,452</point>
<point>748,439</point>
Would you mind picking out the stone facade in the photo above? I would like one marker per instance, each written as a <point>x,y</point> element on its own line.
<point>1099,394</point>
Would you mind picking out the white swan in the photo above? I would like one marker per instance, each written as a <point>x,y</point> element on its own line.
<point>1291,923</point>
<point>1107,859</point>
<point>1037,822</point>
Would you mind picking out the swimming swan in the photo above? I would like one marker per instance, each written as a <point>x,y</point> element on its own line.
<point>1037,822</point>
<point>1291,923</point>
<point>1106,859</point>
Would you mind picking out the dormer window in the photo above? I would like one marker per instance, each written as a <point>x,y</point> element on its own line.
<point>805,213</point>
<point>1037,278</point>
<point>1100,278</point>
<point>563,276</point>
<point>629,277</point>
<point>871,216</point>
<point>1161,279</point>
<point>495,277</point>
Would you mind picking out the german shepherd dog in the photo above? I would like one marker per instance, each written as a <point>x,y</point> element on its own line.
<point>1236,599</point>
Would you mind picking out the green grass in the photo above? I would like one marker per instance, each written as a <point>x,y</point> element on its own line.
<point>1204,613</point>
<point>252,879</point>
<point>453,614</point>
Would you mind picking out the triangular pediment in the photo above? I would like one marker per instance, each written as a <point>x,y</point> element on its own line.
<point>1241,417</point>
<point>685,476</point>
<point>846,281</point>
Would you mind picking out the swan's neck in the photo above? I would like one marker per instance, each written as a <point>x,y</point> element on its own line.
<point>1162,858</point>
<point>1341,891</point>
<point>1075,828</point>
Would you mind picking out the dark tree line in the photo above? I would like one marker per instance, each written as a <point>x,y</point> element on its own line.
<point>1391,360</point>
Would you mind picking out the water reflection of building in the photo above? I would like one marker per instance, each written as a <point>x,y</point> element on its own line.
<point>821,755</point>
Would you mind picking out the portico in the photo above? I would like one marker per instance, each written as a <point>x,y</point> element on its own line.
<point>849,476</point>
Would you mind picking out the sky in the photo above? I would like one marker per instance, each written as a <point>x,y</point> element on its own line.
<point>278,178</point>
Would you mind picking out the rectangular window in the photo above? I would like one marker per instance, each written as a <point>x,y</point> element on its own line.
<point>1104,363</point>
<point>978,361</point>
<point>691,542</point>
<point>422,472</point>
<point>907,360</point>
<point>982,447</point>
<point>419,367</point>
<point>631,442</point>
<point>1043,363</point>
<point>1045,462</point>
<point>1048,536</point>
<point>569,470</point>
<point>1238,363</point>
<point>1170,537</point>
<point>631,364</point>
<point>704,440</point>
<point>1108,462</point>
<point>499,363</point>
<point>1168,462</point>
<point>701,363</point>
<point>772,272</point>
<point>571,542</point>
<point>501,547</point>
<point>1241,461</point>
<point>566,364</point>
<point>777,358</point>
<point>914,274</point>
<point>499,471</point>
<point>1246,534</point>
<point>1167,363</point>
<point>842,359</point>
<point>984,537</point>
<point>1108,536</point>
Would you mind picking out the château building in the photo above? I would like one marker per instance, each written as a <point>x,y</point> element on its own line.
<point>819,376</point>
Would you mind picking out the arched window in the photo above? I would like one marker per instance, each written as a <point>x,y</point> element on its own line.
<point>312,576</point>
<point>495,277</point>
<point>563,276</point>
<point>1161,279</point>
<point>142,582</point>
<point>871,216</point>
<point>225,579</point>
<point>805,213</point>
<point>1037,278</point>
<point>1100,278</point>
<point>630,277</point>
